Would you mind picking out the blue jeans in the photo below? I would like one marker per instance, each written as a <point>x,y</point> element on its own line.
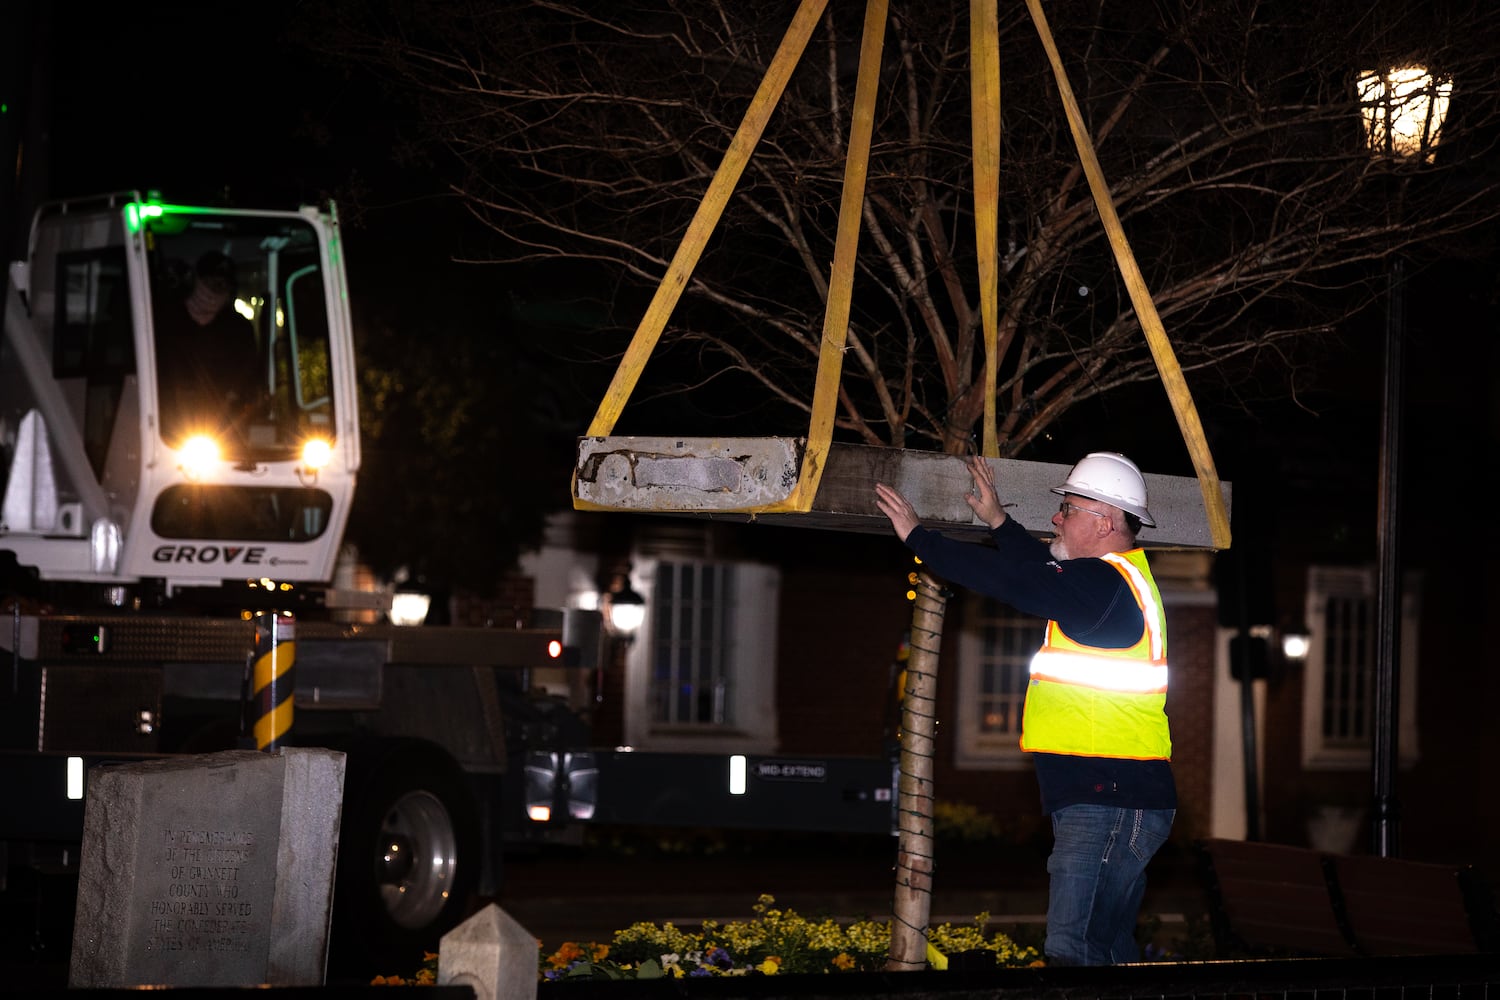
<point>1097,872</point>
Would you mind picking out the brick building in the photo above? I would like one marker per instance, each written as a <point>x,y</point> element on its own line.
<point>809,624</point>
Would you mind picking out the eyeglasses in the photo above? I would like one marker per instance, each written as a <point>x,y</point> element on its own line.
<point>1064,507</point>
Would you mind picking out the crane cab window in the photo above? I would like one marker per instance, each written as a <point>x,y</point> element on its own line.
<point>241,326</point>
<point>93,332</point>
<point>241,513</point>
<point>93,341</point>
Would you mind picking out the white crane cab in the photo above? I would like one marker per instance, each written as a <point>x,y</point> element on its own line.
<point>177,395</point>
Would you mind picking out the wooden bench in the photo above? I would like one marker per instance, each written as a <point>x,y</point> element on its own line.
<point>1281,900</point>
<point>1271,898</point>
<point>1398,907</point>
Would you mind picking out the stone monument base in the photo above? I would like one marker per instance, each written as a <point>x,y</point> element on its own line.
<point>208,870</point>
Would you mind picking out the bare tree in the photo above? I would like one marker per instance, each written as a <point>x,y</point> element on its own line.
<point>1229,131</point>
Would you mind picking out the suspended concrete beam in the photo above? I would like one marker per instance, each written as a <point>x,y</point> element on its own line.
<point>745,478</point>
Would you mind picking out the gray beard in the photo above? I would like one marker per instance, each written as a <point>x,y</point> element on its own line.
<point>1059,549</point>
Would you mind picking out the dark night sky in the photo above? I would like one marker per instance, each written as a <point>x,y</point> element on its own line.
<point>221,105</point>
<point>217,104</point>
<point>188,99</point>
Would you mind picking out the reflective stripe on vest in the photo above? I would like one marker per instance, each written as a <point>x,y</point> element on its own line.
<point>1098,702</point>
<point>1143,587</point>
<point>1103,673</point>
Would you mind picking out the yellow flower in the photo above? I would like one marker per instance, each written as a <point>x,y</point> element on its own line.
<point>769,966</point>
<point>843,960</point>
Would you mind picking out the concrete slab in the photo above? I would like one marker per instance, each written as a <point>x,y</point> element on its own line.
<point>730,478</point>
<point>686,474</point>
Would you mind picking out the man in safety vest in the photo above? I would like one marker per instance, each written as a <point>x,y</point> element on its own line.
<point>1095,718</point>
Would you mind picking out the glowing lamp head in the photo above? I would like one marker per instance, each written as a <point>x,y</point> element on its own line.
<point>409,607</point>
<point>625,611</point>
<point>197,455</point>
<point>316,453</point>
<point>1403,108</point>
<point>1296,644</point>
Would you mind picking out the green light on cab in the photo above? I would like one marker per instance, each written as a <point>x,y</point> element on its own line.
<point>137,213</point>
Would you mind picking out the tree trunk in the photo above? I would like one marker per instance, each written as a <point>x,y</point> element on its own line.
<point>912,906</point>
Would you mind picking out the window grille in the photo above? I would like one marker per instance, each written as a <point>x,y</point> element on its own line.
<point>996,644</point>
<point>692,608</point>
<point>1339,680</point>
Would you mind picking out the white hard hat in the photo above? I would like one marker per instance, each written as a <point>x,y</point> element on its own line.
<point>1112,478</point>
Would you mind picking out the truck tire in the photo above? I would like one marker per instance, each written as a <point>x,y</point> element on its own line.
<point>408,858</point>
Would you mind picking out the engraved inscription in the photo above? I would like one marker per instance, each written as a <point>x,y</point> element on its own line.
<point>202,909</point>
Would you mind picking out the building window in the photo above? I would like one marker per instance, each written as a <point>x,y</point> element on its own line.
<point>702,674</point>
<point>995,647</point>
<point>1338,712</point>
<point>692,614</point>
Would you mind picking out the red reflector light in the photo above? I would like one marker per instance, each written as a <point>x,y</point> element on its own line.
<point>554,648</point>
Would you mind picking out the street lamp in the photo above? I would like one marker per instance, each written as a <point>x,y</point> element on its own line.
<point>409,607</point>
<point>624,609</point>
<point>1403,109</point>
<point>1296,642</point>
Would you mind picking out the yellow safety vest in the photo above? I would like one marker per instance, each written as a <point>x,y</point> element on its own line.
<point>1090,701</point>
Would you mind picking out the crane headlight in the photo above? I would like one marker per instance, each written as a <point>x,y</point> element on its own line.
<point>316,453</point>
<point>197,456</point>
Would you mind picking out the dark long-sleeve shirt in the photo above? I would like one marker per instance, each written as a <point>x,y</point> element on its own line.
<point>1091,602</point>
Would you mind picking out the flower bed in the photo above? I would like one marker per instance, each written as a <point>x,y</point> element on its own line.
<point>773,941</point>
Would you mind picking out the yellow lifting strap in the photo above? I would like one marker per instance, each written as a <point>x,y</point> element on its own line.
<point>985,96</point>
<point>845,259</point>
<point>984,90</point>
<point>846,247</point>
<point>1140,297</point>
<point>707,217</point>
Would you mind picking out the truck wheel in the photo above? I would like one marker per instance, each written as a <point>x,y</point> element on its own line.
<point>408,858</point>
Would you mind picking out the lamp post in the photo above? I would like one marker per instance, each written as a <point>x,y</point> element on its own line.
<point>1403,109</point>
<point>624,612</point>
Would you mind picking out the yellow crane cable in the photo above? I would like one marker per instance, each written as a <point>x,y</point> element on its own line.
<point>984,89</point>
<point>845,262</point>
<point>1140,297</point>
<point>706,217</point>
